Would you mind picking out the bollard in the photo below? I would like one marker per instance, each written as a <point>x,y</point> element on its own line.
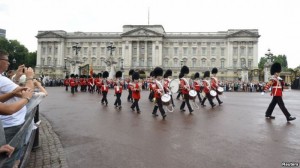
<point>36,138</point>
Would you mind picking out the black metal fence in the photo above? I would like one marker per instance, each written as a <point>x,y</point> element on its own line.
<point>32,115</point>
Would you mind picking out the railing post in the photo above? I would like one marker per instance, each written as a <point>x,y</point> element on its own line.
<point>36,138</point>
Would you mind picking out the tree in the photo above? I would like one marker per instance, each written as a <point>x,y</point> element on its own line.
<point>280,59</point>
<point>18,52</point>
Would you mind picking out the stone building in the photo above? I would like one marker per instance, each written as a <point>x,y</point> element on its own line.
<point>234,52</point>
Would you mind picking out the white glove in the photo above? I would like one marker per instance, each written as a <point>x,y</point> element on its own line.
<point>262,93</point>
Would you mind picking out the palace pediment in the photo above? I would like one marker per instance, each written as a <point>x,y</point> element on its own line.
<point>243,33</point>
<point>141,32</point>
<point>49,34</point>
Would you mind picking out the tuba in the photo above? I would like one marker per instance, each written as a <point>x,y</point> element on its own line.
<point>165,98</point>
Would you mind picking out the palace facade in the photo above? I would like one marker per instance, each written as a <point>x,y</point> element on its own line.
<point>234,52</point>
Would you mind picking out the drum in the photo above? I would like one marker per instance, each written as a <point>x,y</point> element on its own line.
<point>192,94</point>
<point>174,85</point>
<point>220,90</point>
<point>166,99</point>
<point>212,93</point>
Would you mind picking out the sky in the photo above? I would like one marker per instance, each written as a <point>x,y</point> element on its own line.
<point>278,21</point>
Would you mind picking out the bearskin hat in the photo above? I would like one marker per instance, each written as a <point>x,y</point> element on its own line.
<point>131,72</point>
<point>76,75</point>
<point>158,71</point>
<point>135,76</point>
<point>94,75</point>
<point>197,75</point>
<point>67,76</point>
<point>100,75</point>
<point>206,74</point>
<point>168,73</point>
<point>72,75</point>
<point>119,74</point>
<point>276,67</point>
<point>214,71</point>
<point>105,74</point>
<point>185,70</point>
<point>181,75</point>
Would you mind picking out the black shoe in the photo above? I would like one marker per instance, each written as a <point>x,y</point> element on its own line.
<point>138,111</point>
<point>220,102</point>
<point>203,105</point>
<point>116,106</point>
<point>154,114</point>
<point>132,109</point>
<point>182,110</point>
<point>106,104</point>
<point>102,103</point>
<point>164,116</point>
<point>191,111</point>
<point>270,117</point>
<point>213,105</point>
<point>291,118</point>
<point>120,107</point>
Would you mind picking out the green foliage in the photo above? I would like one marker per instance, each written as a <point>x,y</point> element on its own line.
<point>18,52</point>
<point>280,59</point>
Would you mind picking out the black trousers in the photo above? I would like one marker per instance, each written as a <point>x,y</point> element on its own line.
<point>104,97</point>
<point>209,99</point>
<point>186,101</point>
<point>151,96</point>
<point>129,98</point>
<point>277,100</point>
<point>135,104</point>
<point>199,97</point>
<point>159,106</point>
<point>67,87</point>
<point>73,89</point>
<point>118,100</point>
<point>178,96</point>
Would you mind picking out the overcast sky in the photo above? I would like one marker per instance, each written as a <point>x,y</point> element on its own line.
<point>278,21</point>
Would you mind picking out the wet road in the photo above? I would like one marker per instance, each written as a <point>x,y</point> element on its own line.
<point>233,135</point>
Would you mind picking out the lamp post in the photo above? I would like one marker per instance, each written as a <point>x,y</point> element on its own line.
<point>267,65</point>
<point>181,63</point>
<point>110,61</point>
<point>75,61</point>
<point>66,66</point>
<point>14,61</point>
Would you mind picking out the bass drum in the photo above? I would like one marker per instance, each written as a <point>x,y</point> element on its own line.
<point>174,85</point>
<point>220,90</point>
<point>192,94</point>
<point>166,99</point>
<point>212,93</point>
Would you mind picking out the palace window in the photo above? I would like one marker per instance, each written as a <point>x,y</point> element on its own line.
<point>166,51</point>
<point>203,62</point>
<point>213,51</point>
<point>249,64</point>
<point>94,50</point>
<point>222,63</point>
<point>250,51</point>
<point>43,50</point>
<point>55,51</point>
<point>120,51</point>
<point>185,51</point>
<point>102,50</point>
<point>242,51</point>
<point>234,64</point>
<point>194,62</point>
<point>235,51</point>
<point>194,51</point>
<point>203,50</point>
<point>85,49</point>
<point>176,62</point>
<point>149,62</point>
<point>222,51</point>
<point>175,51</point>
<point>49,50</point>
<point>213,62</point>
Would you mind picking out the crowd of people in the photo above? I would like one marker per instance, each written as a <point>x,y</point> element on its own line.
<point>17,92</point>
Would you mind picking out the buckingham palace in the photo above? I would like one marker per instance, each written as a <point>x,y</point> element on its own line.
<point>143,47</point>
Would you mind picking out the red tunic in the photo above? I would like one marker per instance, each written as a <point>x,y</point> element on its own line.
<point>206,86</point>
<point>214,83</point>
<point>118,89</point>
<point>66,82</point>
<point>136,93</point>
<point>184,85</point>
<point>196,86</point>
<point>276,86</point>
<point>104,85</point>
<point>72,82</point>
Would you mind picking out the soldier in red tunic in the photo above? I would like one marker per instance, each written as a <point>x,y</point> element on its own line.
<point>118,85</point>
<point>104,88</point>
<point>151,85</point>
<point>276,85</point>
<point>66,82</point>
<point>206,89</point>
<point>185,88</point>
<point>129,97</point>
<point>158,89</point>
<point>167,81</point>
<point>136,89</point>
<point>215,84</point>
<point>72,83</point>
<point>197,85</point>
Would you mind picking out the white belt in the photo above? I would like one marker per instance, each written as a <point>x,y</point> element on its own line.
<point>277,87</point>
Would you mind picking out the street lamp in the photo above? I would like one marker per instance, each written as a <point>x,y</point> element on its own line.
<point>181,63</point>
<point>269,56</point>
<point>14,61</point>
<point>122,68</point>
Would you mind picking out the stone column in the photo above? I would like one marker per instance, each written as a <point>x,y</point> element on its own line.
<point>39,54</point>
<point>145,54</point>
<point>138,53</point>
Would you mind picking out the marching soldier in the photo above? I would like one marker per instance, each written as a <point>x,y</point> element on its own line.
<point>215,83</point>
<point>206,89</point>
<point>72,83</point>
<point>136,89</point>
<point>104,88</point>
<point>179,91</point>
<point>185,88</point>
<point>151,86</point>
<point>167,81</point>
<point>129,97</point>
<point>98,83</point>
<point>277,87</point>
<point>158,92</point>
<point>67,82</point>
<point>118,85</point>
<point>197,85</point>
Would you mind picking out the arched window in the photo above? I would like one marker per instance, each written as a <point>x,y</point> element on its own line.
<point>213,62</point>
<point>194,62</point>
<point>203,62</point>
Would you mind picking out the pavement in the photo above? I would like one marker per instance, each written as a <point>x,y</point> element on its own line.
<point>50,153</point>
<point>233,135</point>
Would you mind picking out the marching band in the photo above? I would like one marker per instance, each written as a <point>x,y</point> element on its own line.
<point>161,88</point>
